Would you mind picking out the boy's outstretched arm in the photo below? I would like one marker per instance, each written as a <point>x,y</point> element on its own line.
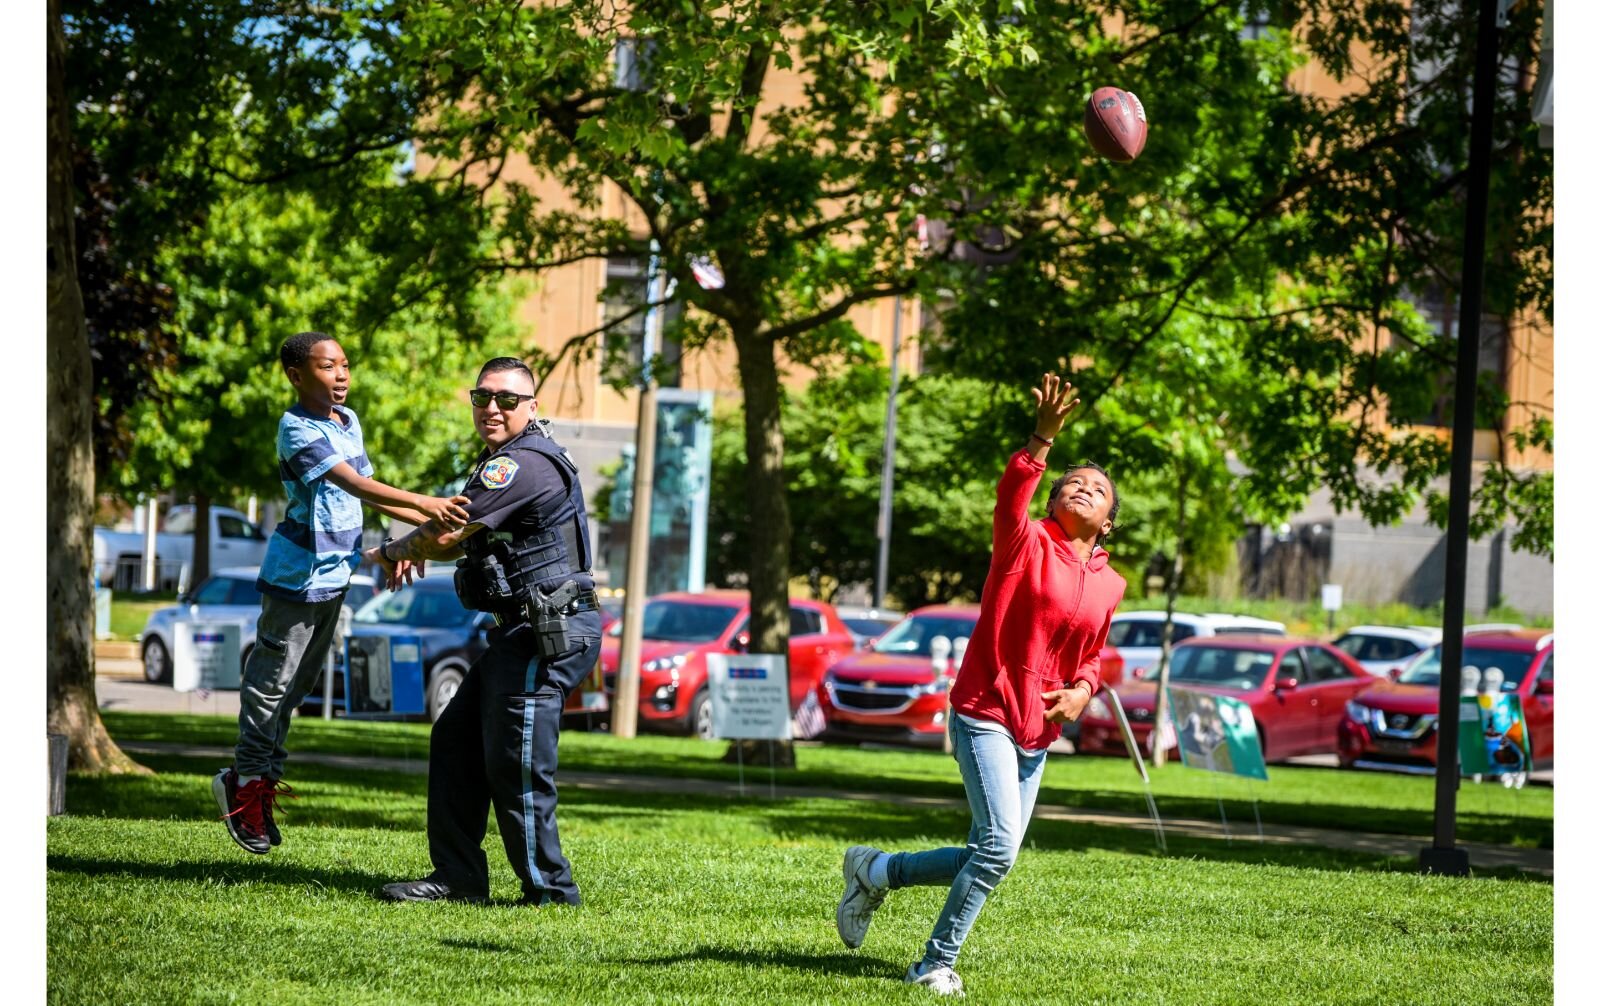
<point>450,513</point>
<point>430,541</point>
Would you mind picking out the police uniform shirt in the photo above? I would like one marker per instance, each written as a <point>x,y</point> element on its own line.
<point>510,490</point>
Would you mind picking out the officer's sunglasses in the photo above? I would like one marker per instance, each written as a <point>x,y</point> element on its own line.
<point>507,400</point>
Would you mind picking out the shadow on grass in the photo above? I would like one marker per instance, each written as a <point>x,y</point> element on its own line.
<point>852,964</point>
<point>692,760</point>
<point>211,873</point>
<point>339,798</point>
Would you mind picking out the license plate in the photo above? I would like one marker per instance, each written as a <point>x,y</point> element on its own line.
<point>594,702</point>
<point>1394,747</point>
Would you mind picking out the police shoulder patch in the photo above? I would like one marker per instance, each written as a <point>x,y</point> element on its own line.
<point>498,472</point>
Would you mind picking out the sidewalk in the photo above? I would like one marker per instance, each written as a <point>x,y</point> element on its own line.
<point>1538,861</point>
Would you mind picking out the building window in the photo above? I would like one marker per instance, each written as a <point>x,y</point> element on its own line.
<point>627,289</point>
<point>1256,21</point>
<point>1439,308</point>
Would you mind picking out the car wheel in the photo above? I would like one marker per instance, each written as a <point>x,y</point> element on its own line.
<point>1261,735</point>
<point>700,716</point>
<point>441,689</point>
<point>157,663</point>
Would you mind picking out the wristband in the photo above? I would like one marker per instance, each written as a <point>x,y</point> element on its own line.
<point>1042,440</point>
<point>383,550</point>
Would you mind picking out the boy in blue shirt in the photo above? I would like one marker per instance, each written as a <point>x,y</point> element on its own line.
<point>323,464</point>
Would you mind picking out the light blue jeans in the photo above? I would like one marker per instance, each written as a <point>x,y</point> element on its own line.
<point>1002,782</point>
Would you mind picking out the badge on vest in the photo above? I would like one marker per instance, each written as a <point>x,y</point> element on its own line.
<point>498,472</point>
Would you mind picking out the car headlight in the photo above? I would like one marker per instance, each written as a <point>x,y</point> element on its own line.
<point>1098,708</point>
<point>671,663</point>
<point>1358,712</point>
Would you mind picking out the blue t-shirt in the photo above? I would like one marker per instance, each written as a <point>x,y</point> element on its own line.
<point>317,545</point>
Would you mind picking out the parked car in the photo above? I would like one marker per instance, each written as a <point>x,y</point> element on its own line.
<point>119,555</point>
<point>681,628</point>
<point>229,595</point>
<point>1296,690</point>
<point>1137,634</point>
<point>893,691</point>
<point>867,624</point>
<point>1395,724</point>
<point>1383,648</point>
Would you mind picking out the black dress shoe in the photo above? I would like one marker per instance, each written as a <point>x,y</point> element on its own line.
<point>429,890</point>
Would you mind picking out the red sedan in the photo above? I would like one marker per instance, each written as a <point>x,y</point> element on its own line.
<point>1395,724</point>
<point>892,690</point>
<point>1296,690</point>
<point>681,628</point>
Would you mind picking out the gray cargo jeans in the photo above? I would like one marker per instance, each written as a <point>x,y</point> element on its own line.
<point>292,639</point>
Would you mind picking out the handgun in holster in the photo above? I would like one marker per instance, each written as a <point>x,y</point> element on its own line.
<point>547,613</point>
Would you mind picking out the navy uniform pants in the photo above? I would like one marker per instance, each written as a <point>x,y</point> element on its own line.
<point>495,744</point>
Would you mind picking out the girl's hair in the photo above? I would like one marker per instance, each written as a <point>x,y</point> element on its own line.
<point>1116,497</point>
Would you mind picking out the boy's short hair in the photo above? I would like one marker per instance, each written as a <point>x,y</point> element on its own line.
<point>296,349</point>
<point>500,363</point>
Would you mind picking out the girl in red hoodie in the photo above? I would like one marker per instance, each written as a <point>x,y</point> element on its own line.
<point>1032,664</point>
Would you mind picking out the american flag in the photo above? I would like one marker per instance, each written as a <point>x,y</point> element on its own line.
<point>808,719</point>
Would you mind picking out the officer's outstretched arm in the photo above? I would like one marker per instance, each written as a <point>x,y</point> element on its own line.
<point>430,541</point>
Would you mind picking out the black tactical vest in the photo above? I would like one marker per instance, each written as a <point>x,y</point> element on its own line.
<point>535,550</point>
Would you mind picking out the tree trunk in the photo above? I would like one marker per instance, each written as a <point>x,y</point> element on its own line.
<point>769,514</point>
<point>200,551</point>
<point>70,704</point>
<point>1158,751</point>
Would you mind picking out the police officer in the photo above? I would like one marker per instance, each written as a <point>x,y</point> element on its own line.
<point>525,556</point>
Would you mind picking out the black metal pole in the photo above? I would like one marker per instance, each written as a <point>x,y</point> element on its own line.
<point>1443,856</point>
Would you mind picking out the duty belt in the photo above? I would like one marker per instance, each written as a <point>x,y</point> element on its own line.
<point>586,600</point>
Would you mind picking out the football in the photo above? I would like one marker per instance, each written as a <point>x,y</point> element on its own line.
<point>1115,124</point>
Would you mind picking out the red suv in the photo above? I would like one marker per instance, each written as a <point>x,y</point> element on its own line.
<point>892,691</point>
<point>681,628</point>
<point>1395,724</point>
<point>1296,690</point>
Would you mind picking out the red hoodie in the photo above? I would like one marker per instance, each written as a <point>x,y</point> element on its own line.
<point>1044,617</point>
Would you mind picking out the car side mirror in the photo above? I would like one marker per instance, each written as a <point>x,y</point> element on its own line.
<point>1393,674</point>
<point>740,643</point>
<point>186,599</point>
<point>1544,686</point>
<point>1286,685</point>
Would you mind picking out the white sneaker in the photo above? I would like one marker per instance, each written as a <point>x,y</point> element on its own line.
<point>942,980</point>
<point>860,898</point>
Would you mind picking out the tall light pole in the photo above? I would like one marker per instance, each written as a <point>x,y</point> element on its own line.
<point>625,698</point>
<point>886,487</point>
<point>1444,856</point>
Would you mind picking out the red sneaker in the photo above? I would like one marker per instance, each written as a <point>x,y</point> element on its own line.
<point>241,809</point>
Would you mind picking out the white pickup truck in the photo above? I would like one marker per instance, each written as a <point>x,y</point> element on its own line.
<point>119,555</point>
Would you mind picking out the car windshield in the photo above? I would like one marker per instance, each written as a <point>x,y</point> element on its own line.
<point>1364,647</point>
<point>1225,667</point>
<point>684,621</point>
<point>426,609</point>
<point>915,635</point>
<point>866,626</point>
<point>1513,665</point>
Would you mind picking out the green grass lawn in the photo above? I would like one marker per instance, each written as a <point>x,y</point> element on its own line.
<point>1355,801</point>
<point>707,899</point>
<point>129,612</point>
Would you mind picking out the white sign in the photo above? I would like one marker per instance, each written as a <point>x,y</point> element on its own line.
<point>205,655</point>
<point>749,696</point>
<point>1332,596</point>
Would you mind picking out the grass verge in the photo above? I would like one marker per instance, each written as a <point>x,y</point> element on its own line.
<point>716,900</point>
<point>1309,797</point>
